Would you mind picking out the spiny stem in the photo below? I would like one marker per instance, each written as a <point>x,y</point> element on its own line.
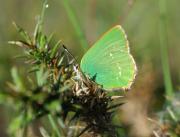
<point>42,14</point>
<point>75,23</point>
<point>83,131</point>
<point>54,126</point>
<point>39,24</point>
<point>164,48</point>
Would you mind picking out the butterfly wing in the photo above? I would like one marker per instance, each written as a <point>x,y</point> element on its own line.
<point>110,61</point>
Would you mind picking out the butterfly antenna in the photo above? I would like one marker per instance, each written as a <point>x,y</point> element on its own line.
<point>74,59</point>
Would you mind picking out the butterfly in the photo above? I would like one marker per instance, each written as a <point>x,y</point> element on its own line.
<point>109,61</point>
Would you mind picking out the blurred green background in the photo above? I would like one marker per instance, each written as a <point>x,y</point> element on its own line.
<point>139,18</point>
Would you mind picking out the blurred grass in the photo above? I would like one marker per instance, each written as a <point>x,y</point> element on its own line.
<point>140,19</point>
<point>76,24</point>
<point>164,48</point>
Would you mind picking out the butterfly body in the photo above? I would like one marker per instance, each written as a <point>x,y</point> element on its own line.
<point>109,61</point>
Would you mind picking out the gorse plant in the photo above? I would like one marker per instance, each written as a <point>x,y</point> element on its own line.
<point>54,86</point>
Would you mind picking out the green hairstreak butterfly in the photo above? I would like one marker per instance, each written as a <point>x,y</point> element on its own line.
<point>110,62</point>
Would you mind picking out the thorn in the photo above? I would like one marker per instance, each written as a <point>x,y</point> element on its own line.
<point>18,43</point>
<point>116,97</point>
